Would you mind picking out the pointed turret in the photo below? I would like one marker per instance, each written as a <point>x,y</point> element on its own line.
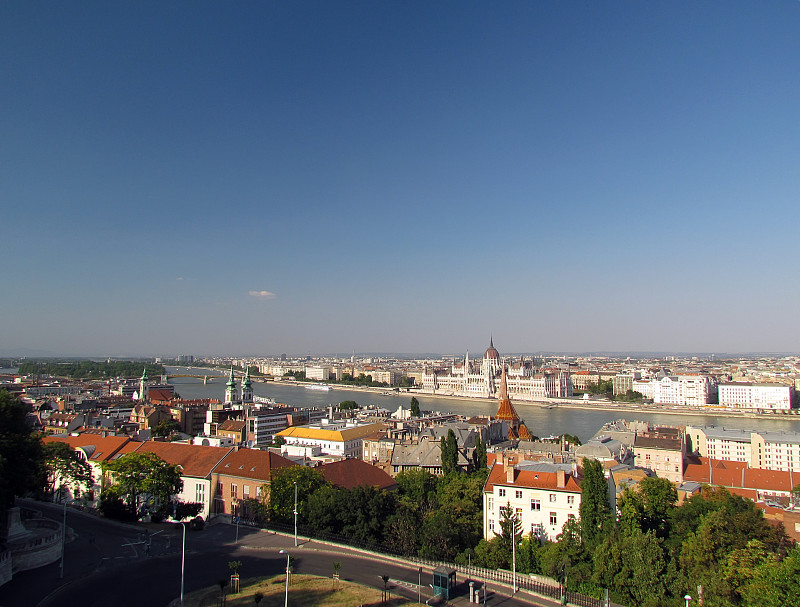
<point>144,385</point>
<point>506,412</point>
<point>230,388</point>
<point>247,387</point>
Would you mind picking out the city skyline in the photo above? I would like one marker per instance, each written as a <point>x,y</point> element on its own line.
<point>411,177</point>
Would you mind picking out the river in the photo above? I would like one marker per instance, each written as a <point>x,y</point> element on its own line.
<point>583,423</point>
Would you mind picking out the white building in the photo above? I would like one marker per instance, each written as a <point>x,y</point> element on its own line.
<point>690,390</point>
<point>543,496</point>
<point>483,379</point>
<point>768,450</point>
<point>343,439</point>
<point>748,395</point>
<point>263,425</point>
<point>319,373</point>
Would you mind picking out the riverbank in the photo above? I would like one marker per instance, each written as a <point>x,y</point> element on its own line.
<point>592,405</point>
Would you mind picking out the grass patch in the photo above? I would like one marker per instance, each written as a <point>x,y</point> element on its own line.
<point>304,591</point>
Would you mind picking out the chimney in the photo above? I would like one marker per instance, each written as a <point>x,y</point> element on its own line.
<point>561,478</point>
<point>509,473</point>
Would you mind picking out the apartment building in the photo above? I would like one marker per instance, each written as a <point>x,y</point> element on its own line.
<point>765,450</point>
<point>753,396</point>
<point>543,496</point>
<point>343,439</point>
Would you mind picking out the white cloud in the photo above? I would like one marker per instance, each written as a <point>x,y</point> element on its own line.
<point>261,294</point>
<point>179,278</point>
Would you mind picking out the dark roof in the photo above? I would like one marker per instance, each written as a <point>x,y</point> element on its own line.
<point>648,442</point>
<point>252,463</point>
<point>351,473</point>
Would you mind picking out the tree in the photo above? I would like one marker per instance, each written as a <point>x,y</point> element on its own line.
<point>479,455</point>
<point>449,447</point>
<point>461,495</point>
<point>281,492</point>
<point>63,466</point>
<point>775,585</point>
<point>595,513</point>
<point>647,506</point>
<point>348,404</point>
<point>571,439</point>
<point>166,427</point>
<point>143,477</point>
<point>21,454</point>
<point>632,566</point>
<point>415,412</point>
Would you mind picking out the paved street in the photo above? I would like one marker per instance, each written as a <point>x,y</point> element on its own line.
<point>108,562</point>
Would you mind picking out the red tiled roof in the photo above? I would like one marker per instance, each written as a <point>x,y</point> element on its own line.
<point>194,460</point>
<point>104,447</point>
<point>251,463</point>
<point>232,425</point>
<point>738,474</point>
<point>160,395</point>
<point>531,479</point>
<point>351,473</point>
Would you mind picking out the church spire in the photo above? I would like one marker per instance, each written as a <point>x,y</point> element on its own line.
<point>247,387</point>
<point>503,386</point>
<point>230,388</point>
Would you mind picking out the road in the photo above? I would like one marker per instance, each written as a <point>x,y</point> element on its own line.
<point>106,564</point>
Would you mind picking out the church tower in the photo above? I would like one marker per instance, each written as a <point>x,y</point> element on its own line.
<point>507,413</point>
<point>144,385</point>
<point>247,387</point>
<point>230,389</point>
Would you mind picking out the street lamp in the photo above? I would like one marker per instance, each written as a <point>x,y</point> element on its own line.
<point>419,584</point>
<point>687,598</point>
<point>295,514</point>
<point>286,596</point>
<point>63,534</point>
<point>183,559</point>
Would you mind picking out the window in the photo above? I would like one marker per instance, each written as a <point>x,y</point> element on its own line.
<point>491,524</point>
<point>246,491</point>
<point>553,518</point>
<point>219,489</point>
<point>518,512</point>
<point>501,492</point>
<point>490,504</point>
<point>518,494</point>
<point>536,504</point>
<point>200,494</point>
<point>570,499</point>
<point>234,491</point>
<point>552,498</point>
<point>258,491</point>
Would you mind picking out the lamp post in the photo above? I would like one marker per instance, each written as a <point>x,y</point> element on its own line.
<point>183,559</point>
<point>295,514</point>
<point>419,584</point>
<point>688,599</point>
<point>63,534</point>
<point>286,595</point>
<point>514,559</point>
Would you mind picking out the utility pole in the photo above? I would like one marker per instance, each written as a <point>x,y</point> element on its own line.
<point>295,514</point>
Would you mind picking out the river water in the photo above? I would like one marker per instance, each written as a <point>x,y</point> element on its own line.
<point>541,421</point>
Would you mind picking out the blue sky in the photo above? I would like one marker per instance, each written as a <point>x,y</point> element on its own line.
<point>312,177</point>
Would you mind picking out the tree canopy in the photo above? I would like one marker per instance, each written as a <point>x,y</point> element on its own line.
<point>143,479</point>
<point>64,466</point>
<point>21,453</point>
